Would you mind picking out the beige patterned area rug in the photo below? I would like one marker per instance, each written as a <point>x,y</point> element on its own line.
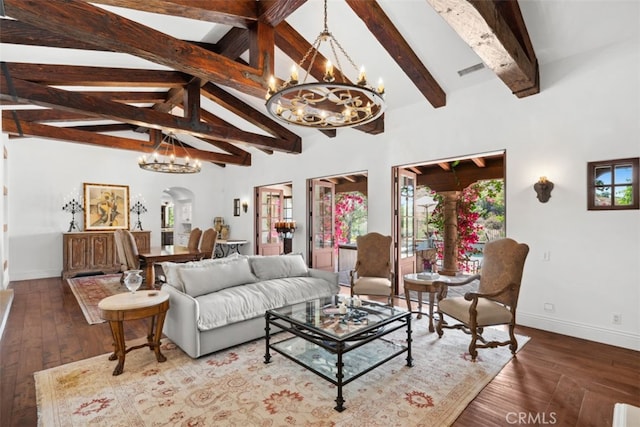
<point>234,387</point>
<point>91,289</point>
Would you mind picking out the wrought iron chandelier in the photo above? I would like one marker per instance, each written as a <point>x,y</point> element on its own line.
<point>168,161</point>
<point>325,104</point>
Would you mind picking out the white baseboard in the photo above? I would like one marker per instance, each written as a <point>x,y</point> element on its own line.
<point>31,275</point>
<point>580,330</point>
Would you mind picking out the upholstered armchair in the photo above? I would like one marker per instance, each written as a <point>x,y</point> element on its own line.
<point>496,300</point>
<point>372,274</point>
<point>208,243</point>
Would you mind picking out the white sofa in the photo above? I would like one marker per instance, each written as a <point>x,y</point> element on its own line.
<point>219,303</point>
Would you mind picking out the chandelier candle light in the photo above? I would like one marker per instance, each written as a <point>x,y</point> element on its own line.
<point>168,161</point>
<point>138,208</point>
<point>325,104</point>
<point>73,206</point>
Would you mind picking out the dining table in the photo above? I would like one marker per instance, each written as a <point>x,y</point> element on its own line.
<point>157,254</point>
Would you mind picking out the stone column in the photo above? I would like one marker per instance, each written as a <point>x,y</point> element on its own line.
<point>450,253</point>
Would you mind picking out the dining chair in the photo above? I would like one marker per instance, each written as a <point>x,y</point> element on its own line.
<point>194,238</point>
<point>208,243</point>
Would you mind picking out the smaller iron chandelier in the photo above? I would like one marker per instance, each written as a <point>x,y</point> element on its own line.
<point>325,104</point>
<point>168,161</point>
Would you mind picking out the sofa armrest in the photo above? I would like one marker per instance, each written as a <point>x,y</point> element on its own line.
<point>329,276</point>
<point>181,322</point>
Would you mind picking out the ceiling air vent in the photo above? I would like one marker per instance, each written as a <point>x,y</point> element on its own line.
<point>471,69</point>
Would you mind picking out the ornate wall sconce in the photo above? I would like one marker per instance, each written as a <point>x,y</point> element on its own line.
<point>245,206</point>
<point>543,189</point>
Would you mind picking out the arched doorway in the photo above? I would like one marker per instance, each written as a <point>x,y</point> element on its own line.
<point>176,209</point>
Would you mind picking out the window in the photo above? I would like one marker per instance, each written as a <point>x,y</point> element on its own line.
<point>287,209</point>
<point>613,184</point>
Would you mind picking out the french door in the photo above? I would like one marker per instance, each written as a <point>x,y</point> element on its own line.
<point>322,220</point>
<point>269,212</point>
<point>405,223</point>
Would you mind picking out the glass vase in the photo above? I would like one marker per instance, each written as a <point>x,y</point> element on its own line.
<point>133,280</point>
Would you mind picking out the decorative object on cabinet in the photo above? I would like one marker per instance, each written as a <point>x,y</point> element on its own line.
<point>94,252</point>
<point>138,208</point>
<point>236,207</point>
<point>72,206</point>
<point>218,222</point>
<point>543,189</point>
<point>224,232</point>
<point>106,207</point>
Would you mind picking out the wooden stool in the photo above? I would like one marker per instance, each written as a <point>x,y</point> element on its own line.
<point>131,306</point>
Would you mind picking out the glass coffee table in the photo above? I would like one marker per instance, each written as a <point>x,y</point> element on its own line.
<point>339,347</point>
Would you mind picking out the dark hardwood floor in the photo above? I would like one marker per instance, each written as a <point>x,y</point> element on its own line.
<point>555,380</point>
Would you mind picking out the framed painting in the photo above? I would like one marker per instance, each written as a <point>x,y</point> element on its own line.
<point>106,207</point>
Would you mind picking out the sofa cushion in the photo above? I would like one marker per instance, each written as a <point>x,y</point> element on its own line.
<point>212,277</point>
<point>240,303</point>
<point>171,269</point>
<point>278,266</point>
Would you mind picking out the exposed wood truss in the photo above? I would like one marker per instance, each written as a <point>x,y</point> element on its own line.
<point>195,73</point>
<point>496,31</point>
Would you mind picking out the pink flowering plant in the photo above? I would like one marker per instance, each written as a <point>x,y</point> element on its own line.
<point>350,217</point>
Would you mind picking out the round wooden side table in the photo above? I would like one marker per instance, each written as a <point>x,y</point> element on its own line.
<point>132,306</point>
<point>420,284</point>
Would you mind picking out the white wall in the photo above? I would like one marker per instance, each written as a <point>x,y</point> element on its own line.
<point>588,110</point>
<point>42,172</point>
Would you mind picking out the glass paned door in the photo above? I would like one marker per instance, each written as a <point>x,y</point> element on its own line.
<point>322,225</point>
<point>269,212</point>
<point>406,223</point>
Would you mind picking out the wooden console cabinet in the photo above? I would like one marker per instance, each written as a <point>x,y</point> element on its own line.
<point>95,252</point>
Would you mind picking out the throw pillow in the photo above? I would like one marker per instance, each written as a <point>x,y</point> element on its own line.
<point>278,266</point>
<point>171,269</point>
<point>212,277</point>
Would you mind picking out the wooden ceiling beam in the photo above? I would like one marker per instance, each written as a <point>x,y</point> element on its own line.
<point>74,75</point>
<point>71,101</point>
<point>390,38</point>
<point>248,113</point>
<point>96,139</point>
<point>274,12</point>
<point>48,115</point>
<point>496,31</point>
<point>236,13</point>
<point>16,32</point>
<point>81,20</point>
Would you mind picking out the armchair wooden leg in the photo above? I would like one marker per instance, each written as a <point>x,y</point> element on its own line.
<point>514,343</point>
<point>439,324</point>
<point>474,340</point>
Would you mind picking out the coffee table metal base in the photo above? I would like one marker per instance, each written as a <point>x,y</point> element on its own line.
<point>335,360</point>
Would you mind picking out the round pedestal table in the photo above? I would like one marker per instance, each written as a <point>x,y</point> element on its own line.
<point>132,306</point>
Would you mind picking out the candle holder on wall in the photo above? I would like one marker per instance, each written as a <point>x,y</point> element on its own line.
<point>138,208</point>
<point>73,206</point>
